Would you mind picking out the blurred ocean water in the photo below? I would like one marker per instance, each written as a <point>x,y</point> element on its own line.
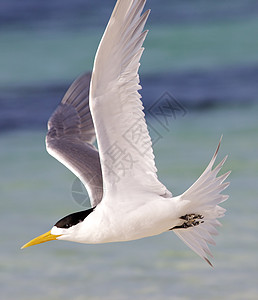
<point>33,56</point>
<point>203,53</point>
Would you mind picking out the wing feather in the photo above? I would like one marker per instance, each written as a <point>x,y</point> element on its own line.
<point>71,136</point>
<point>124,143</point>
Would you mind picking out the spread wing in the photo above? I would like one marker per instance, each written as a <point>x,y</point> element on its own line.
<point>71,136</point>
<point>125,147</point>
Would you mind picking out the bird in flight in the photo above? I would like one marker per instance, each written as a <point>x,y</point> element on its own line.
<point>128,201</point>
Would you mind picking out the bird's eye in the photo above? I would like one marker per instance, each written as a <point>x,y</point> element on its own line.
<point>67,225</point>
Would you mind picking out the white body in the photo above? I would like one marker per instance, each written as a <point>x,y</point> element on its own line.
<point>125,222</point>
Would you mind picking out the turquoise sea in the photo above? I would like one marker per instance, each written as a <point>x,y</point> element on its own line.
<point>43,48</point>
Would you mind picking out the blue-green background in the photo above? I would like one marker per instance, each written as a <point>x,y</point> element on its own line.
<point>205,54</point>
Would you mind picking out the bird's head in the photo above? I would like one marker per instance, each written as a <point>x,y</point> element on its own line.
<point>64,229</point>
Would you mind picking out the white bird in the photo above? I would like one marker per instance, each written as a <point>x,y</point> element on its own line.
<point>128,201</point>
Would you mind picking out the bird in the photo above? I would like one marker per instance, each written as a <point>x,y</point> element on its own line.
<point>128,202</point>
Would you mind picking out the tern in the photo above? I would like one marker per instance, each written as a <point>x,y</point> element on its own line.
<point>128,201</point>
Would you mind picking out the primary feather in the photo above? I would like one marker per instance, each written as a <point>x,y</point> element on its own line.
<point>71,136</point>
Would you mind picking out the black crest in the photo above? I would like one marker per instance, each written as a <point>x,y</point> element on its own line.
<point>73,219</point>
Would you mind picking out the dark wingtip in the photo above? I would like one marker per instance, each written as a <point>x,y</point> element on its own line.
<point>217,150</point>
<point>209,262</point>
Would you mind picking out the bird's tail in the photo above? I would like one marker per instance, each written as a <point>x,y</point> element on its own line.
<point>202,209</point>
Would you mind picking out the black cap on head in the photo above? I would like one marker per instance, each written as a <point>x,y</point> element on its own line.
<point>73,219</point>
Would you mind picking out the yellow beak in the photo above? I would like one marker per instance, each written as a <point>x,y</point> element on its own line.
<point>46,237</point>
